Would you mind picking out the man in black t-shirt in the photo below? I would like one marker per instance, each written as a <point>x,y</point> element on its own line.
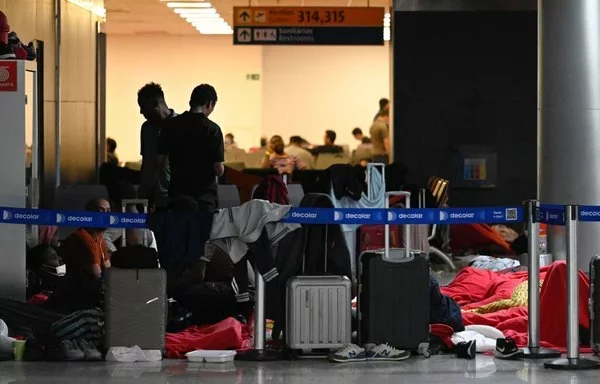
<point>194,145</point>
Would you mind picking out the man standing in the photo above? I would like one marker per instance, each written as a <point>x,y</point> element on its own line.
<point>194,145</point>
<point>380,137</point>
<point>154,184</point>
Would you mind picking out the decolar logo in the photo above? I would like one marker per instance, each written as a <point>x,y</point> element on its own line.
<point>26,216</point>
<point>128,220</point>
<point>80,219</point>
<point>114,220</point>
<point>60,218</point>
<point>590,213</point>
<point>365,216</point>
<point>410,215</point>
<point>392,216</point>
<point>337,216</point>
<point>304,215</point>
<point>443,215</point>
<point>7,215</point>
<point>466,215</point>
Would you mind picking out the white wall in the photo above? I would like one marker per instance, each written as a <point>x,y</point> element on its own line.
<point>179,64</point>
<point>302,90</point>
<point>310,89</point>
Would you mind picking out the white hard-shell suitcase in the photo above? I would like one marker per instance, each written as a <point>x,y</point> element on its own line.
<point>318,311</point>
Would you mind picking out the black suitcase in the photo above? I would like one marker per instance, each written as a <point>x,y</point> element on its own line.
<point>595,303</point>
<point>393,300</point>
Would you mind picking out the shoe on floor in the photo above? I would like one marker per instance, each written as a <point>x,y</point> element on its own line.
<point>71,351</point>
<point>466,349</point>
<point>385,352</point>
<point>348,353</point>
<point>507,349</point>
<point>90,351</point>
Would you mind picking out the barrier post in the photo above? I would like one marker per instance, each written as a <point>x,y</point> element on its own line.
<point>573,360</point>
<point>534,351</point>
<point>260,352</point>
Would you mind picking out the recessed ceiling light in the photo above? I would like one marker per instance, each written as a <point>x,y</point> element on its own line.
<point>173,4</point>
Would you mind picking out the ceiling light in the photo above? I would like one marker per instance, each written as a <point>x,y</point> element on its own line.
<point>89,6</point>
<point>173,4</point>
<point>196,18</point>
<point>195,10</point>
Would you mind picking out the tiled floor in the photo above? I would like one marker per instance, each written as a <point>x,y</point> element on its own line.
<point>438,369</point>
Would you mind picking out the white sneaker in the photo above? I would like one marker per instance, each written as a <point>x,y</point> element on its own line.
<point>348,353</point>
<point>385,352</point>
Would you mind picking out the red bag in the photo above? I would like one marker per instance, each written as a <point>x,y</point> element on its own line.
<point>372,237</point>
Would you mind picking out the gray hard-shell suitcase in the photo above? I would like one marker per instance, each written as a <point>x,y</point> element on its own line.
<point>595,303</point>
<point>135,305</point>
<point>393,297</point>
<point>318,310</point>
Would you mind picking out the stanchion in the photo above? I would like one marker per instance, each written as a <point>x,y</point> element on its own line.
<point>533,350</point>
<point>573,360</point>
<point>260,352</point>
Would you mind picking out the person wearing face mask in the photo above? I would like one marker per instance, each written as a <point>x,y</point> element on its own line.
<point>154,184</point>
<point>276,158</point>
<point>86,257</point>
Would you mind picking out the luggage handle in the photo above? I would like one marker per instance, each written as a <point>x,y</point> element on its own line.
<point>370,168</point>
<point>406,253</point>
<point>124,204</point>
<point>326,249</point>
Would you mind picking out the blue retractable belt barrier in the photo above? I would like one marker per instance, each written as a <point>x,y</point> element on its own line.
<point>295,215</point>
<point>552,214</point>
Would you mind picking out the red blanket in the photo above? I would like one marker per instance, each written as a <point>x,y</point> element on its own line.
<point>226,334</point>
<point>473,288</point>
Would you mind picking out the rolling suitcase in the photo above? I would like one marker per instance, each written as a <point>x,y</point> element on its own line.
<point>595,303</point>
<point>318,310</point>
<point>393,300</point>
<point>135,304</point>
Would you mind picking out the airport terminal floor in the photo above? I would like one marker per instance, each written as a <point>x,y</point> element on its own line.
<point>437,369</point>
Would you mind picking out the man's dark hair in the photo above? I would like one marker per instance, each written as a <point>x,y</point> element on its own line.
<point>202,95</point>
<point>296,140</point>
<point>111,145</point>
<point>230,135</point>
<point>383,102</point>
<point>331,135</point>
<point>151,91</point>
<point>356,131</point>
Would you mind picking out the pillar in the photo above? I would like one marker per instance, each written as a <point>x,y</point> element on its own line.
<point>569,114</point>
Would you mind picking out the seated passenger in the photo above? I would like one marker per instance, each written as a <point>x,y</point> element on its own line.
<point>276,158</point>
<point>329,146</point>
<point>262,148</point>
<point>86,257</point>
<point>296,149</point>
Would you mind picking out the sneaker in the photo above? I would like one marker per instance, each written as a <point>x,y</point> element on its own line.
<point>90,351</point>
<point>6,51</point>
<point>466,349</point>
<point>507,349</point>
<point>348,353</point>
<point>71,351</point>
<point>385,352</point>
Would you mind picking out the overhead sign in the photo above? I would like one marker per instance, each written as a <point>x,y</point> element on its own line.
<point>308,25</point>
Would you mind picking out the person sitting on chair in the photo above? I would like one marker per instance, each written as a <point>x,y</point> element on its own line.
<point>276,158</point>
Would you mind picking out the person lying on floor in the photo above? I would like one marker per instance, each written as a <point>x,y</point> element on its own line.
<point>86,257</point>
